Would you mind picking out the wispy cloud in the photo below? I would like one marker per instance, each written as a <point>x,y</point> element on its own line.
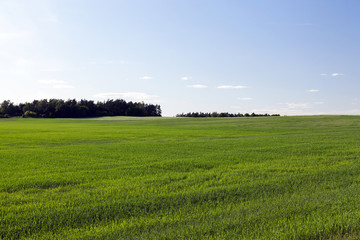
<point>337,74</point>
<point>63,86</point>
<point>50,19</point>
<point>185,78</point>
<point>58,84</point>
<point>245,98</point>
<point>128,96</point>
<point>51,81</point>
<point>287,109</point>
<point>102,62</point>
<point>12,35</point>
<point>332,74</point>
<point>313,90</point>
<point>31,65</point>
<point>50,70</point>
<point>146,78</point>
<point>231,87</point>
<point>197,86</point>
<point>298,105</point>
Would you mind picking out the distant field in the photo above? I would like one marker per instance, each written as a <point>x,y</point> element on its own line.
<point>180,178</point>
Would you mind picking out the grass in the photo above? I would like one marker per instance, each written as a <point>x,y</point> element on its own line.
<point>180,178</point>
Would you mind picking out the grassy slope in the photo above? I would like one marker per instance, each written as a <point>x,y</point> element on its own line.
<point>147,178</point>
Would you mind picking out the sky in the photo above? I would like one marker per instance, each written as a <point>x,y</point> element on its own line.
<point>289,57</point>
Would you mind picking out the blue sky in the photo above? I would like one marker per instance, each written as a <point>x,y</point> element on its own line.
<point>289,57</point>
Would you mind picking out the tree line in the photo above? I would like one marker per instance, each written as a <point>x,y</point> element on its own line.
<point>224,114</point>
<point>58,108</point>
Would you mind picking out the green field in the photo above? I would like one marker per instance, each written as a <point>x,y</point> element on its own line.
<point>180,178</point>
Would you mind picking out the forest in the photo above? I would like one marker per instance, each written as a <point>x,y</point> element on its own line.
<point>223,114</point>
<point>71,108</point>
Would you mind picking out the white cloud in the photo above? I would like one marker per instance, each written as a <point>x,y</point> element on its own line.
<point>197,86</point>
<point>128,96</point>
<point>105,62</point>
<point>63,86</point>
<point>352,111</point>
<point>313,90</point>
<point>185,78</point>
<point>298,105</point>
<point>49,70</point>
<point>50,19</point>
<point>267,110</point>
<point>332,74</point>
<point>146,78</point>
<point>336,74</point>
<point>12,4</point>
<point>355,101</point>
<point>281,111</point>
<point>12,36</point>
<point>288,109</point>
<point>231,87</point>
<point>51,81</point>
<point>21,65</point>
<point>246,99</point>
<point>58,84</point>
